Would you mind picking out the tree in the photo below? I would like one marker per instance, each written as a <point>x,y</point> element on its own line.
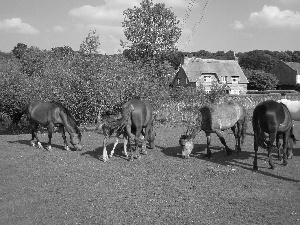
<point>19,50</point>
<point>91,43</point>
<point>151,30</point>
<point>260,80</point>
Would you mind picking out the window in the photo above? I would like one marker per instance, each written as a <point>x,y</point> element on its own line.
<point>178,80</point>
<point>207,78</point>
<point>235,79</point>
<point>224,79</point>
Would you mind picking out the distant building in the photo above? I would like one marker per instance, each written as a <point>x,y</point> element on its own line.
<point>197,72</point>
<point>288,75</point>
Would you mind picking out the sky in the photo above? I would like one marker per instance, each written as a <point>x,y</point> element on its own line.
<point>211,25</point>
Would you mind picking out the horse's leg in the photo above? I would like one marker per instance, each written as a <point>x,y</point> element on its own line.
<point>144,143</point>
<point>130,139</point>
<point>222,139</point>
<point>115,145</point>
<point>285,139</point>
<point>63,133</point>
<point>278,145</point>
<point>137,141</point>
<point>272,138</point>
<point>208,139</point>
<point>125,146</point>
<point>50,130</point>
<point>236,129</point>
<point>255,167</point>
<point>34,130</point>
<point>105,141</point>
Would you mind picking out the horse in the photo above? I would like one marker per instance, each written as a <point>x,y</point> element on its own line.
<point>293,106</point>
<point>216,118</point>
<point>50,115</point>
<point>136,116</point>
<point>274,119</point>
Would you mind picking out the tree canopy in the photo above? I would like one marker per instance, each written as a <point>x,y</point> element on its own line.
<point>151,30</point>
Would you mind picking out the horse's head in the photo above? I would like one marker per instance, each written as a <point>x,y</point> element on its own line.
<point>186,145</point>
<point>75,139</point>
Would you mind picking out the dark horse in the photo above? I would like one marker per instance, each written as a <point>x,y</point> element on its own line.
<point>136,116</point>
<point>275,119</point>
<point>50,115</point>
<point>214,119</point>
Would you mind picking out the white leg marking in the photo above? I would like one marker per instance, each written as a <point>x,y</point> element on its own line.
<point>39,145</point>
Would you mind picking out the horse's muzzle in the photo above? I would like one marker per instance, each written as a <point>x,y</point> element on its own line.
<point>78,147</point>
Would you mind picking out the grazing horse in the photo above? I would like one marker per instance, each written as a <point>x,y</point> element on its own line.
<point>216,118</point>
<point>103,123</point>
<point>136,116</point>
<point>275,119</point>
<point>50,115</point>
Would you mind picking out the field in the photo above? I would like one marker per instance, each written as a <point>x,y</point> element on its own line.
<point>60,187</point>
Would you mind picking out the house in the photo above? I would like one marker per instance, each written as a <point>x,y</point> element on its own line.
<point>197,72</point>
<point>288,75</point>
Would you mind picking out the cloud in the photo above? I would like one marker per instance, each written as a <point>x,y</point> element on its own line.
<point>112,10</point>
<point>271,16</point>
<point>15,25</point>
<point>58,29</point>
<point>237,25</point>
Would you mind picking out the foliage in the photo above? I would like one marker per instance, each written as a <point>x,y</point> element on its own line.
<point>151,30</point>
<point>19,50</point>
<point>260,80</point>
<point>91,43</point>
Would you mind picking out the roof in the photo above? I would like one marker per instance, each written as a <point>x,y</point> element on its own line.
<point>195,67</point>
<point>294,65</point>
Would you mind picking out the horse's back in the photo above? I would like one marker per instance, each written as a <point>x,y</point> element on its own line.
<point>142,113</point>
<point>43,112</point>
<point>222,116</point>
<point>293,107</point>
<point>272,115</point>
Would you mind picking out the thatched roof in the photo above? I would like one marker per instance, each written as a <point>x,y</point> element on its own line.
<point>196,67</point>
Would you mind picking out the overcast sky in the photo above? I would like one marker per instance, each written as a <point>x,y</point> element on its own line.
<point>214,25</point>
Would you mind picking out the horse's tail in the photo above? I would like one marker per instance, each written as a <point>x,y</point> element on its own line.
<point>258,132</point>
<point>16,117</point>
<point>122,122</point>
<point>244,126</point>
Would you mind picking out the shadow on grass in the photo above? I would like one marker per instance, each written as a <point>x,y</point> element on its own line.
<point>27,142</point>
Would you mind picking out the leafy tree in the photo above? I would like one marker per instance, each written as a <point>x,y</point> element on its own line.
<point>257,60</point>
<point>19,50</point>
<point>260,80</point>
<point>91,43</point>
<point>151,30</point>
<point>33,61</point>
<point>62,52</point>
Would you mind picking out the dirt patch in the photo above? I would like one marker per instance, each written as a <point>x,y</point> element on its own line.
<point>60,187</point>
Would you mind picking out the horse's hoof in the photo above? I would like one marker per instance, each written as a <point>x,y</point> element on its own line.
<point>49,148</point>
<point>290,156</point>
<point>207,156</point>
<point>272,167</point>
<point>255,167</point>
<point>67,148</point>
<point>109,156</point>
<point>39,145</point>
<point>32,143</point>
<point>284,163</point>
